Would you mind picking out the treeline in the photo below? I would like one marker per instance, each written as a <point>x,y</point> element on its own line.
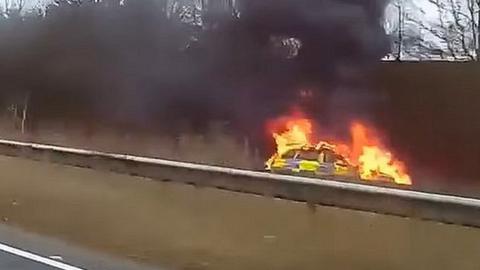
<point>448,30</point>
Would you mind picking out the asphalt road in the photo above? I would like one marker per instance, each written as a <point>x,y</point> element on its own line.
<point>182,227</point>
<point>14,262</point>
<point>20,250</point>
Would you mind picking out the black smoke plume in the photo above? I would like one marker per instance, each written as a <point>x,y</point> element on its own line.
<point>165,65</point>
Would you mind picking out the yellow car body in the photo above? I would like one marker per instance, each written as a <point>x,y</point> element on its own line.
<point>312,161</point>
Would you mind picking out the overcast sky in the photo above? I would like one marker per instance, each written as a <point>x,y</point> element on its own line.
<point>430,11</point>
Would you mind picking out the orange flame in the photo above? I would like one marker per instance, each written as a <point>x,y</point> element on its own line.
<point>297,135</point>
<point>374,159</point>
<point>366,151</point>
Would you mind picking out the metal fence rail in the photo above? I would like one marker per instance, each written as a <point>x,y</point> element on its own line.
<point>384,200</point>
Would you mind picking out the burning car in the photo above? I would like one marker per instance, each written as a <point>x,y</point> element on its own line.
<point>364,158</point>
<point>321,160</point>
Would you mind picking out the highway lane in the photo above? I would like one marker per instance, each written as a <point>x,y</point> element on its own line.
<point>21,250</point>
<point>13,262</point>
<point>191,228</point>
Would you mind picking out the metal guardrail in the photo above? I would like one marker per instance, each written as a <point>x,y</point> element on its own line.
<point>384,200</point>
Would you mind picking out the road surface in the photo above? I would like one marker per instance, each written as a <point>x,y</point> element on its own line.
<point>178,226</point>
<point>20,250</point>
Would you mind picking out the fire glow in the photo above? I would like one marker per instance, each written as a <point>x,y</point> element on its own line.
<point>365,150</point>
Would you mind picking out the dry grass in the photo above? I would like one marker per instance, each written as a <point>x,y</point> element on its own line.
<point>214,148</point>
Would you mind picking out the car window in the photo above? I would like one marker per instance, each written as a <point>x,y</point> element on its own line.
<point>308,155</point>
<point>289,154</point>
<point>329,156</point>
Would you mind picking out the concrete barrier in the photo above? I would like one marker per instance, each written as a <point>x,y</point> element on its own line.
<point>384,200</point>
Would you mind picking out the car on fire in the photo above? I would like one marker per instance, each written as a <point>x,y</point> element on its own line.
<point>318,161</point>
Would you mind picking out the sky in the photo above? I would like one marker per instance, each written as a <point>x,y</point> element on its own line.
<point>430,11</point>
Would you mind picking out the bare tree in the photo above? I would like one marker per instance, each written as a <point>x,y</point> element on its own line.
<point>400,28</point>
<point>6,5</point>
<point>25,112</point>
<point>17,111</point>
<point>454,33</point>
<point>474,16</point>
<point>13,7</point>
<point>456,27</point>
<point>407,37</point>
<point>472,6</point>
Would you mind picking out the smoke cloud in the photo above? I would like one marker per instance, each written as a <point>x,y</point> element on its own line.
<point>163,65</point>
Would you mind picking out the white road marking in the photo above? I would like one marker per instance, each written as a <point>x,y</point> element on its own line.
<point>37,258</point>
